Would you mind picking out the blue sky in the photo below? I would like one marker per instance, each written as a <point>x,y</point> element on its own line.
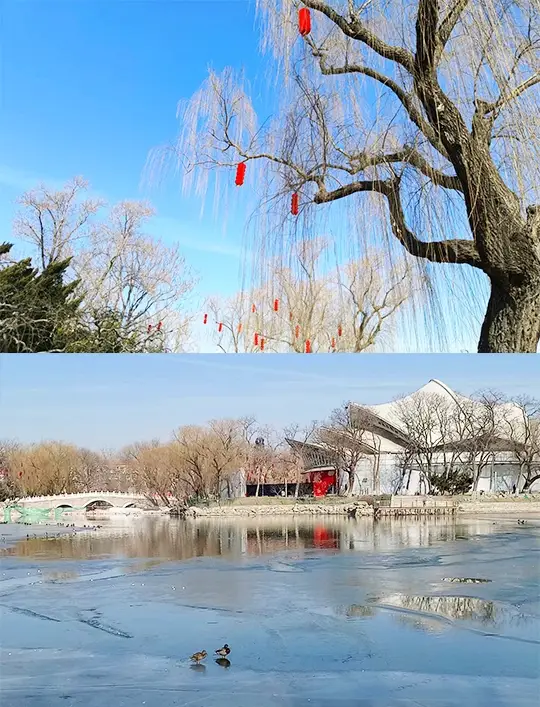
<point>108,401</point>
<point>90,86</point>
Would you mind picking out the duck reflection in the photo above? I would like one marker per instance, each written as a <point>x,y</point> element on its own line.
<point>198,667</point>
<point>223,662</point>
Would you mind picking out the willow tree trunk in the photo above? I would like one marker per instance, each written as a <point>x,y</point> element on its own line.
<point>512,321</point>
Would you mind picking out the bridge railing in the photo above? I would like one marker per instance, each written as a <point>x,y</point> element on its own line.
<point>84,494</point>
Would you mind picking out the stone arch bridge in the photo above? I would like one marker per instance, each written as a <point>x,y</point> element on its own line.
<point>84,500</point>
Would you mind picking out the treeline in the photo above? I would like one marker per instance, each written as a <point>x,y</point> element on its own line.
<point>199,462</point>
<point>449,441</point>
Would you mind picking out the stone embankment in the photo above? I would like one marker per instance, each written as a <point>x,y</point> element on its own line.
<point>515,507</point>
<point>351,509</point>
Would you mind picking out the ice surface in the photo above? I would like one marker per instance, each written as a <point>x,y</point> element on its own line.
<point>111,618</point>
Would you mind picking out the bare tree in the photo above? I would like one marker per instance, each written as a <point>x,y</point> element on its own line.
<point>347,442</point>
<point>52,221</point>
<point>349,309</point>
<point>131,282</point>
<point>523,431</point>
<point>137,276</point>
<point>422,114</point>
<point>480,418</point>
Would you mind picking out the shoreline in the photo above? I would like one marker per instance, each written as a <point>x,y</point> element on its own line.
<point>358,508</point>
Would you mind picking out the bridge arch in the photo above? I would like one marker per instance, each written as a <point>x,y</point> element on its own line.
<point>95,503</point>
<point>63,505</point>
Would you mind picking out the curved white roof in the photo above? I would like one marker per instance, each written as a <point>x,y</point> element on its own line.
<point>506,414</point>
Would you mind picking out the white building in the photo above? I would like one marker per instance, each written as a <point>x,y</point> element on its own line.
<point>385,442</point>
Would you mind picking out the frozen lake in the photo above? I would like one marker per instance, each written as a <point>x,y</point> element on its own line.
<point>323,613</point>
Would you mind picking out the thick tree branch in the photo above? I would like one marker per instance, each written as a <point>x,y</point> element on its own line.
<point>427,19</point>
<point>496,106</point>
<point>448,24</point>
<point>405,98</point>
<point>356,29</point>
<point>406,155</point>
<point>458,251</point>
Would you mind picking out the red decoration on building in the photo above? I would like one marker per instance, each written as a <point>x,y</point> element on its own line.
<point>220,326</point>
<point>290,316</point>
<point>255,339</point>
<point>149,329</point>
<point>262,344</point>
<point>308,346</point>
<point>294,204</point>
<point>333,343</point>
<point>339,330</point>
<point>276,305</point>
<point>205,319</point>
<point>253,308</point>
<point>240,174</point>
<point>20,474</point>
<point>304,21</point>
<point>240,328</point>
<point>160,324</point>
<point>297,331</point>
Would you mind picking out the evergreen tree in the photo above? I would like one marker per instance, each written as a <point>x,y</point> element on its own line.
<point>38,310</point>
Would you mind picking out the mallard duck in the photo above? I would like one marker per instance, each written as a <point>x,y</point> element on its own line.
<point>197,657</point>
<point>223,652</point>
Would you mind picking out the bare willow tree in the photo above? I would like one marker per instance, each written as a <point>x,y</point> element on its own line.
<point>130,281</point>
<point>347,309</point>
<point>422,116</point>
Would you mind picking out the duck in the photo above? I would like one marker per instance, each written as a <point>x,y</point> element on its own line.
<point>521,522</point>
<point>197,657</point>
<point>223,652</point>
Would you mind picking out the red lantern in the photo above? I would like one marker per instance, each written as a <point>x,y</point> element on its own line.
<point>205,319</point>
<point>160,324</point>
<point>308,346</point>
<point>149,329</point>
<point>304,21</point>
<point>339,330</point>
<point>253,308</point>
<point>255,339</point>
<point>240,174</point>
<point>294,204</point>
<point>333,343</point>
<point>262,344</point>
<point>276,305</point>
<point>220,327</point>
<point>297,331</point>
<point>240,328</point>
